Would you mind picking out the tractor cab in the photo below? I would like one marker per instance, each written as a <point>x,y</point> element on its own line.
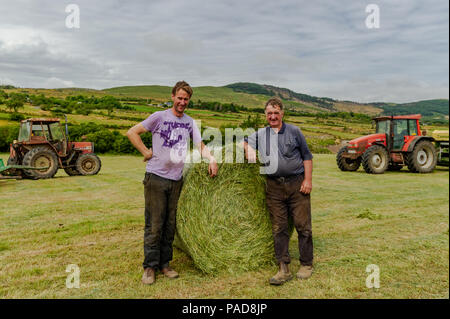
<point>43,131</point>
<point>399,130</point>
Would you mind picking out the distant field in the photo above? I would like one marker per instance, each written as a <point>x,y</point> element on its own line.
<point>398,221</point>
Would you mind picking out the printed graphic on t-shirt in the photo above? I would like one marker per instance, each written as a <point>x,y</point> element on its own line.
<point>174,133</point>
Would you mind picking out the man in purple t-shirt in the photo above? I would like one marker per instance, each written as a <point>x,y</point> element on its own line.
<point>171,132</point>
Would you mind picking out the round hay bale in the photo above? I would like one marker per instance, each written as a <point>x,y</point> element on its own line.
<point>223,222</point>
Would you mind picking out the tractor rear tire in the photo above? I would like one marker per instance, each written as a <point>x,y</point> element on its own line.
<point>423,158</point>
<point>40,157</point>
<point>88,164</point>
<point>375,160</point>
<point>347,164</point>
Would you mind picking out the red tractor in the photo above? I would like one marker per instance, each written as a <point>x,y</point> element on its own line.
<point>42,143</point>
<point>398,142</point>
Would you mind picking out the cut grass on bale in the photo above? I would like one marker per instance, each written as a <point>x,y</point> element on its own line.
<point>222,222</point>
<point>97,222</point>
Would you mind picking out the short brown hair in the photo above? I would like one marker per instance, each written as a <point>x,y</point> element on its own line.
<point>182,85</point>
<point>274,102</point>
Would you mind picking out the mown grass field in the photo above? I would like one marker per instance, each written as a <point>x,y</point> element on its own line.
<point>96,222</point>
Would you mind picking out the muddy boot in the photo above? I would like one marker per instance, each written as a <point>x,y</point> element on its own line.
<point>304,272</point>
<point>169,272</point>
<point>148,277</point>
<point>281,276</point>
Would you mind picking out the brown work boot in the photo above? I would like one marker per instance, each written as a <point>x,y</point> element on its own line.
<point>281,276</point>
<point>169,272</point>
<point>148,277</point>
<point>304,272</point>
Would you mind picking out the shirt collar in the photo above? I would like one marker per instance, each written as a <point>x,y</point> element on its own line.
<point>281,131</point>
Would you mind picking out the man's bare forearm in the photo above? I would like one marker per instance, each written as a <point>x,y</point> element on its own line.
<point>250,153</point>
<point>308,165</point>
<point>136,140</point>
<point>205,152</point>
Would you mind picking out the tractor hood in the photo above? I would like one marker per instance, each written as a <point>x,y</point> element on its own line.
<point>368,139</point>
<point>360,144</point>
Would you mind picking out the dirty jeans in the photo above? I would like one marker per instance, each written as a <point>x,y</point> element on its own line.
<point>161,199</point>
<point>283,200</point>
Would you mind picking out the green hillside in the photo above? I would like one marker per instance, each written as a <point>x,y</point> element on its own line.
<point>250,95</point>
<point>204,93</point>
<point>253,95</point>
<point>428,108</point>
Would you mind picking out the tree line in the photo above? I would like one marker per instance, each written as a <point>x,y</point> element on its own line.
<point>79,104</point>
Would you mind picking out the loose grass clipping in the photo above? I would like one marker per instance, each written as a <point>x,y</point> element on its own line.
<point>223,222</point>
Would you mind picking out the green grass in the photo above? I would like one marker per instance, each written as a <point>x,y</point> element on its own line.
<point>96,222</point>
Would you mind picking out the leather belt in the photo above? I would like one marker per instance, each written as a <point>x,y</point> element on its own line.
<point>285,179</point>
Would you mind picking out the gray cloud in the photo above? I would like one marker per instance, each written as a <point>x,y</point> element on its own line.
<point>321,48</point>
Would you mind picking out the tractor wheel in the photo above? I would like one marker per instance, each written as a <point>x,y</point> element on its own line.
<point>394,167</point>
<point>41,157</point>
<point>71,171</point>
<point>13,161</point>
<point>347,164</point>
<point>423,158</point>
<point>375,160</point>
<point>88,164</point>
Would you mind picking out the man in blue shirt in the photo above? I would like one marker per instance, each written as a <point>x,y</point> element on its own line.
<point>283,149</point>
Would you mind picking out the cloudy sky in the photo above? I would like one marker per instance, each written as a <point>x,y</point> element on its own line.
<point>322,48</point>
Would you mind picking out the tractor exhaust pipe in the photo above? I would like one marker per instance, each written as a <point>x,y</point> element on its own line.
<point>67,129</point>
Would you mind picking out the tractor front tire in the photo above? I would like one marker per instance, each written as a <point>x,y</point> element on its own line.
<point>13,161</point>
<point>40,157</point>
<point>423,158</point>
<point>88,164</point>
<point>71,171</point>
<point>375,160</point>
<point>347,164</point>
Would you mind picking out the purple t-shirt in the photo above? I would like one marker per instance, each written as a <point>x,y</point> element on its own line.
<point>170,142</point>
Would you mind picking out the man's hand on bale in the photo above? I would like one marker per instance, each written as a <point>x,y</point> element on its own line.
<point>212,168</point>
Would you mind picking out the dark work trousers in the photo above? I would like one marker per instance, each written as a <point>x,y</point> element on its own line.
<point>283,200</point>
<point>161,199</point>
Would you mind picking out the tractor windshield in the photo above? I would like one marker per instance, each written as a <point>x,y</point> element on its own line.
<point>39,129</point>
<point>57,133</point>
<point>383,126</point>
<point>24,133</point>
